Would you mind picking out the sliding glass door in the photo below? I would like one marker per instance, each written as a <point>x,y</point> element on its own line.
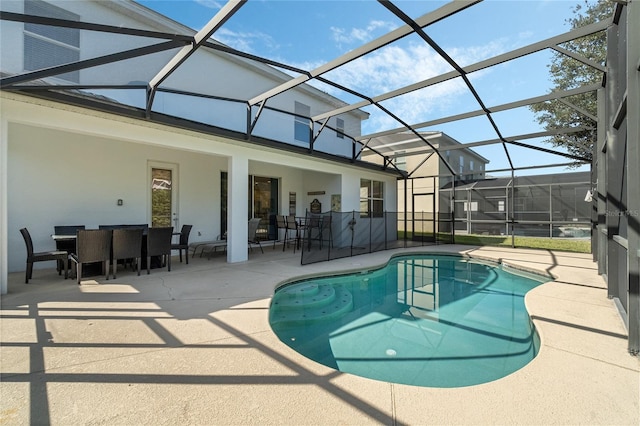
<point>263,201</point>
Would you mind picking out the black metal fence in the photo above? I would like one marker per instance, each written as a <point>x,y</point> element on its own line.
<point>551,206</point>
<point>548,206</point>
<point>334,235</point>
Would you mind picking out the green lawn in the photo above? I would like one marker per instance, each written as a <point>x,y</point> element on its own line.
<point>572,245</point>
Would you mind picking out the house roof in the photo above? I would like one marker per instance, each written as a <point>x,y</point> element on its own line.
<point>408,144</point>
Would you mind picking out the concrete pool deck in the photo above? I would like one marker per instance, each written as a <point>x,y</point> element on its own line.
<point>194,346</point>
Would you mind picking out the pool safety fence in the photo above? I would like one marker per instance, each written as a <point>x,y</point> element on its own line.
<point>334,235</point>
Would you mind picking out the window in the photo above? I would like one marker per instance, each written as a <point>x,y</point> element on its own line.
<point>461,165</point>
<point>301,124</point>
<point>161,197</point>
<point>401,161</point>
<point>340,128</point>
<point>47,46</point>
<point>371,198</point>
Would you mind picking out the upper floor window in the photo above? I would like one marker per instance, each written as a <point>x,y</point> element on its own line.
<point>301,130</point>
<point>340,128</point>
<point>461,165</point>
<point>371,198</point>
<point>47,46</point>
<point>401,161</point>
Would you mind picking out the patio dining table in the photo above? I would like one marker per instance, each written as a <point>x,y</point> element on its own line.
<point>69,239</point>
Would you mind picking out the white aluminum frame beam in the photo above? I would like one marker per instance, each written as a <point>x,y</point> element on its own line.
<point>425,20</point>
<point>494,141</point>
<point>505,57</point>
<point>497,108</point>
<point>199,39</point>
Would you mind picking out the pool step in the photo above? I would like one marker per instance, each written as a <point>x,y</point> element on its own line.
<point>308,296</point>
<point>311,303</point>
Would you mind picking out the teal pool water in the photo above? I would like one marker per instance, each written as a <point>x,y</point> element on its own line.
<point>425,320</point>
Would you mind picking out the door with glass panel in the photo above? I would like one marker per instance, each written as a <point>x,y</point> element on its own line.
<point>263,202</point>
<point>164,192</point>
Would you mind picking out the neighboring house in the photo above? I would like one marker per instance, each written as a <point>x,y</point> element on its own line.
<point>427,172</point>
<point>101,156</point>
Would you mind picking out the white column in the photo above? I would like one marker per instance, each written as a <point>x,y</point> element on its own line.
<point>237,209</point>
<point>350,191</point>
<point>4,151</point>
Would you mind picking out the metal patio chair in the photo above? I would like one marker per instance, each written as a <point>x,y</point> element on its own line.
<point>183,244</point>
<point>281,226</point>
<point>253,233</point>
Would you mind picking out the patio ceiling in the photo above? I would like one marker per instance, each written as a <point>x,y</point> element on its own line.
<point>383,142</point>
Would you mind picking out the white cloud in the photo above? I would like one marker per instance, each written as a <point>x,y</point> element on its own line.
<point>344,36</point>
<point>244,41</point>
<point>401,65</point>
<point>211,4</point>
<point>394,67</point>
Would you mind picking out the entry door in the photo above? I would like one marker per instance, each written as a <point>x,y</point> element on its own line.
<point>163,186</point>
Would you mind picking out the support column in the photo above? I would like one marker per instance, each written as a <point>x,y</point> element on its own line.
<point>633,171</point>
<point>513,206</point>
<point>614,170</point>
<point>237,209</point>
<point>601,190</point>
<point>4,260</point>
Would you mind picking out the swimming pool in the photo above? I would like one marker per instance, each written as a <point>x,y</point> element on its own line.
<point>424,320</point>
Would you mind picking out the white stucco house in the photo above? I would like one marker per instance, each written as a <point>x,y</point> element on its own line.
<point>89,153</point>
<point>427,172</point>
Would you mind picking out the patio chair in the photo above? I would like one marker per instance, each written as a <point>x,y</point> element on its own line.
<point>159,245</point>
<point>281,226</point>
<point>318,229</point>
<point>313,229</point>
<point>69,245</point>
<point>253,233</point>
<point>295,226</point>
<point>212,245</point>
<point>127,245</point>
<point>58,255</point>
<point>183,244</point>
<point>92,245</point>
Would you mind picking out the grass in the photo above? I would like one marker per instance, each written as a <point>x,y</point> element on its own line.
<point>571,245</point>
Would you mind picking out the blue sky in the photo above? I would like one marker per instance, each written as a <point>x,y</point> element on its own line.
<point>308,33</point>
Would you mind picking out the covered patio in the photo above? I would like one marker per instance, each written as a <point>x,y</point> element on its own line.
<point>194,346</point>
